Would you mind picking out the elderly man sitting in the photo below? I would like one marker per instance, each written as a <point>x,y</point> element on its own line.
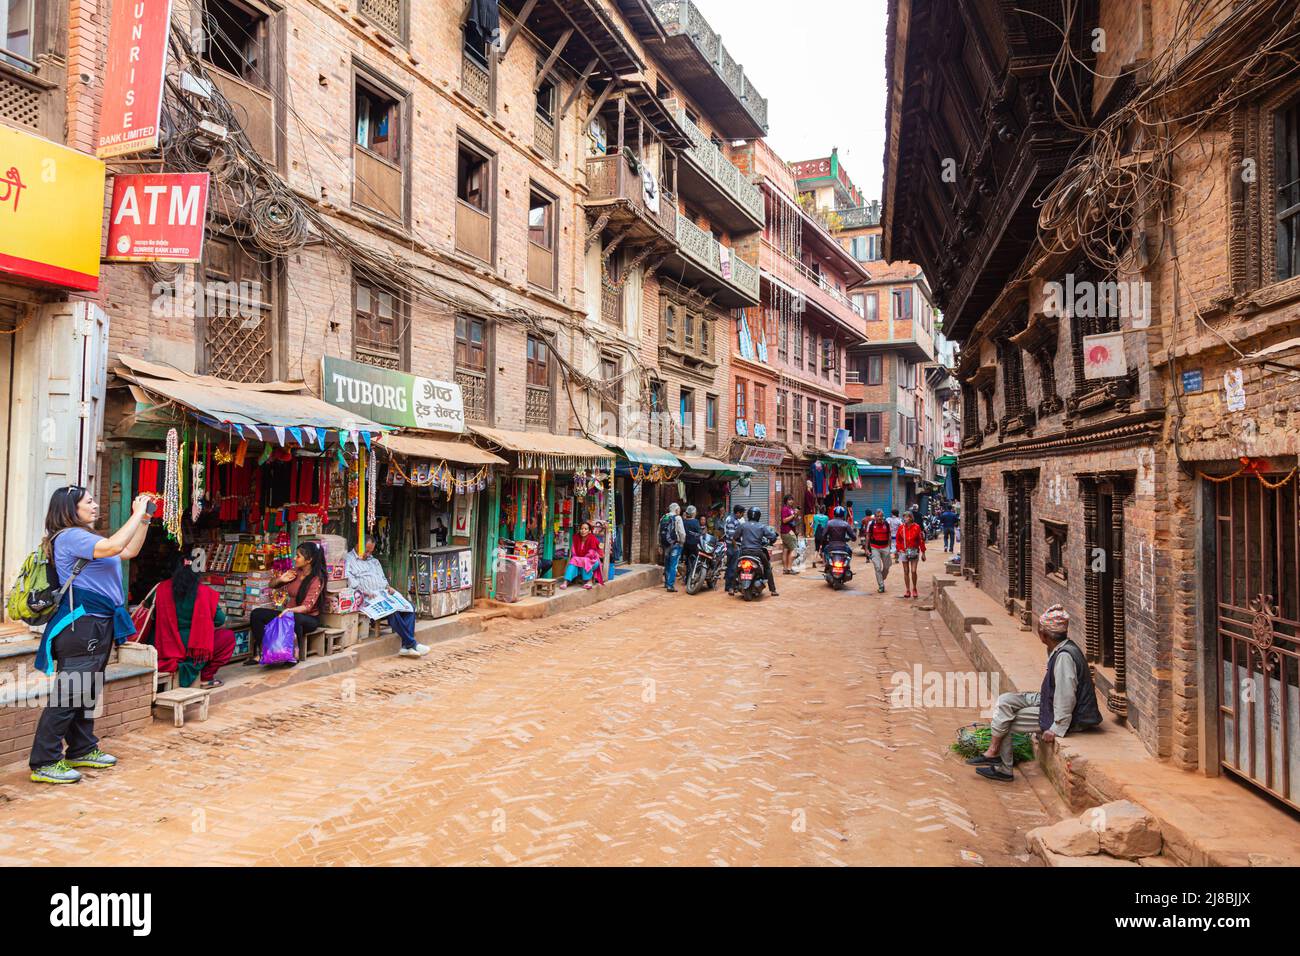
<point>1067,700</point>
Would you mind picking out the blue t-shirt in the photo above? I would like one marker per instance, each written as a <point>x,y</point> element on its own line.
<point>101,575</point>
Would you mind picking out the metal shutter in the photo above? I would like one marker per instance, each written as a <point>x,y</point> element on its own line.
<point>757,495</point>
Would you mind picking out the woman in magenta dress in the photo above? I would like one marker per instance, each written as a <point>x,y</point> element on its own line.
<point>584,558</point>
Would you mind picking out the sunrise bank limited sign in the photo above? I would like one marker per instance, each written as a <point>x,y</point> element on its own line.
<point>393,398</point>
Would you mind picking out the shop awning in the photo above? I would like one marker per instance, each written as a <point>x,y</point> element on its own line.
<point>641,452</point>
<point>439,449</point>
<point>837,456</point>
<point>723,469</point>
<point>946,460</point>
<point>544,450</point>
<point>269,406</point>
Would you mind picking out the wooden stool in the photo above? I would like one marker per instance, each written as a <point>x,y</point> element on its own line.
<point>545,587</point>
<point>312,644</point>
<point>166,681</point>
<point>180,698</point>
<point>332,638</point>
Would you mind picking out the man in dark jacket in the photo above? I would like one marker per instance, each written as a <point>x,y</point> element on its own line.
<point>729,528</point>
<point>753,537</point>
<point>1067,700</point>
<point>839,532</point>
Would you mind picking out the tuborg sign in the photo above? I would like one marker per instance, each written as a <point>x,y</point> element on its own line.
<point>393,398</point>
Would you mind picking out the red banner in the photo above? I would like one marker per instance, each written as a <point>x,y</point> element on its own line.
<point>133,76</point>
<point>157,217</point>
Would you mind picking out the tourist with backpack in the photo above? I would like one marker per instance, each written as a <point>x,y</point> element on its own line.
<point>672,535</point>
<point>89,617</point>
<point>878,541</point>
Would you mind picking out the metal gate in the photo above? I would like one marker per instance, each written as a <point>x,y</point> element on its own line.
<point>1257,631</point>
<point>757,495</point>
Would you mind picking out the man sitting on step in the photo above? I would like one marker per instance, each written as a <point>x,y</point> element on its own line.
<point>1067,700</point>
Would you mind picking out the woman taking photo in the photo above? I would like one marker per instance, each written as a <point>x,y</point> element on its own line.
<point>187,627</point>
<point>306,586</point>
<point>90,619</point>
<point>584,559</point>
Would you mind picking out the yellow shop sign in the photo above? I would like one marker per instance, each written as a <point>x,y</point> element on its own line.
<point>51,212</point>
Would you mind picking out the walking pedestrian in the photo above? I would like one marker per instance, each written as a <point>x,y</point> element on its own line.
<point>948,522</point>
<point>820,521</point>
<point>789,538</point>
<point>910,545</point>
<point>90,619</point>
<point>1067,700</point>
<point>895,522</point>
<point>878,541</point>
<point>672,535</point>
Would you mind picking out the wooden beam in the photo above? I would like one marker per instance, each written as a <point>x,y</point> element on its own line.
<point>577,88</point>
<point>514,27</point>
<point>550,60</point>
<point>600,101</point>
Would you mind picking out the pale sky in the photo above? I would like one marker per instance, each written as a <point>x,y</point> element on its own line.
<point>821,66</point>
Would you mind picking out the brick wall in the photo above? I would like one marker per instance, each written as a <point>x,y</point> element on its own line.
<point>128,700</point>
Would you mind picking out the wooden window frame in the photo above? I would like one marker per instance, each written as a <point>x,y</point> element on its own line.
<point>742,401</point>
<point>272,311</point>
<point>553,227</point>
<point>992,529</point>
<point>488,189</point>
<point>1055,536</point>
<point>400,318</point>
<point>796,417</point>
<point>712,413</point>
<point>782,411</point>
<point>365,79</point>
<point>760,404</point>
<point>875,361</point>
<point>875,421</point>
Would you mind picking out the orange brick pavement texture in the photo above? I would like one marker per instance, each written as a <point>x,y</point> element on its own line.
<point>651,729</point>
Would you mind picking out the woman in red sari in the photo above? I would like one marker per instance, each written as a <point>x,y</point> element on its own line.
<point>584,558</point>
<point>187,628</point>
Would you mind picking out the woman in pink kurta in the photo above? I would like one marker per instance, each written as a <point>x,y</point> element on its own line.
<point>584,557</point>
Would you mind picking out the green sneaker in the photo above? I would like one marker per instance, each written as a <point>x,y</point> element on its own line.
<point>55,773</point>
<point>95,760</point>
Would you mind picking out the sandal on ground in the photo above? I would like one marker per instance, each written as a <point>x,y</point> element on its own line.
<point>208,685</point>
<point>994,773</point>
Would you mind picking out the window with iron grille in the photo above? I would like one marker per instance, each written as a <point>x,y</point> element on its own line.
<point>378,326</point>
<point>1286,174</point>
<point>388,15</point>
<point>237,311</point>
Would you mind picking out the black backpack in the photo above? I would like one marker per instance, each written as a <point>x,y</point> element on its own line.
<point>667,531</point>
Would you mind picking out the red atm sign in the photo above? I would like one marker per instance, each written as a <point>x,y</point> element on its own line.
<point>157,217</point>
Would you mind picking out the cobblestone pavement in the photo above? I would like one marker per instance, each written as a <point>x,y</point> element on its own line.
<point>649,729</point>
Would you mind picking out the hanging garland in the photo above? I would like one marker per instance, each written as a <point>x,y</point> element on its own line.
<point>196,470</point>
<point>1251,466</point>
<point>372,493</point>
<point>172,488</point>
<point>443,478</point>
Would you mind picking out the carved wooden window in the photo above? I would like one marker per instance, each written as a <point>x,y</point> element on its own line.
<point>472,367</point>
<point>1055,535</point>
<point>237,312</point>
<point>388,15</point>
<point>1013,378</point>
<point>378,327</point>
<point>612,399</point>
<point>1286,178</point>
<point>1102,319</point>
<point>970,421</point>
<point>537,364</point>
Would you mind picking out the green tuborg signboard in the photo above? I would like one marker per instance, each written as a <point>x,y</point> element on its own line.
<point>392,398</point>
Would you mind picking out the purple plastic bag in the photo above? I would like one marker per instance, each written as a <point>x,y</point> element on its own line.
<point>279,642</point>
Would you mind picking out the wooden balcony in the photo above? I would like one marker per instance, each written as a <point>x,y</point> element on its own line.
<point>614,190</point>
<point>476,82</point>
<point>715,184</point>
<point>377,183</point>
<point>698,261</point>
<point>253,108</point>
<point>473,231</point>
<point>537,407</point>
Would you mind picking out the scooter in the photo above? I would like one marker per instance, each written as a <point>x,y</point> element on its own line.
<point>838,571</point>
<point>710,562</point>
<point>750,577</point>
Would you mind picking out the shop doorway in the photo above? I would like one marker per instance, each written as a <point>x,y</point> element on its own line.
<point>1256,641</point>
<point>1020,543</point>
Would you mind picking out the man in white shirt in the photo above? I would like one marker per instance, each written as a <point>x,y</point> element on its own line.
<point>366,576</point>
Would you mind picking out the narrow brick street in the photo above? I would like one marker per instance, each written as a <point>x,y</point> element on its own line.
<point>649,729</point>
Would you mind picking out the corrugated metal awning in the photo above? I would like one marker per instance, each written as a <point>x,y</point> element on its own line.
<point>641,452</point>
<point>542,449</point>
<point>414,445</point>
<point>220,402</point>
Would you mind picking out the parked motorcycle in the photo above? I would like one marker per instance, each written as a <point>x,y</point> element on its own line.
<point>838,567</point>
<point>709,563</point>
<point>750,577</point>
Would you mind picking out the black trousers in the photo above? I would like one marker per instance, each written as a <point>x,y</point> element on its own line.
<point>262,616</point>
<point>81,656</point>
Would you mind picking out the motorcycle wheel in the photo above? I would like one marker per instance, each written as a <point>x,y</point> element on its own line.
<point>837,585</point>
<point>747,594</point>
<point>695,579</point>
